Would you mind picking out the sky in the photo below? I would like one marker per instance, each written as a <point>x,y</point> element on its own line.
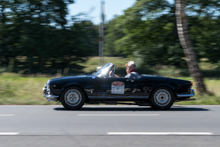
<point>93,8</point>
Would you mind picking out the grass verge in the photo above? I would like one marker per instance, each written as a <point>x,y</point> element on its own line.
<point>15,89</point>
<point>19,90</point>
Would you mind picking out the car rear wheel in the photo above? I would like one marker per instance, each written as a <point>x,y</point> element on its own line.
<point>73,98</point>
<point>162,98</point>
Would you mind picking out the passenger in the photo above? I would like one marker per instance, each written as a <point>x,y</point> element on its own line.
<point>130,70</point>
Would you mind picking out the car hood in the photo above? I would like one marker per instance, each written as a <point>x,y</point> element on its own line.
<point>72,78</point>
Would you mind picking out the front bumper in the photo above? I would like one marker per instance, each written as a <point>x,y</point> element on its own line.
<point>48,96</point>
<point>191,94</point>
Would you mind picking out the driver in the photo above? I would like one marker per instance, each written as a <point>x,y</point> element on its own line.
<point>130,70</point>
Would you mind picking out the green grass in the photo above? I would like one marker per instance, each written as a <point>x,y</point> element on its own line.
<point>20,90</point>
<point>15,89</point>
<point>213,86</point>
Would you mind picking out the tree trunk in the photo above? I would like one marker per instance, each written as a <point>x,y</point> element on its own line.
<point>191,59</point>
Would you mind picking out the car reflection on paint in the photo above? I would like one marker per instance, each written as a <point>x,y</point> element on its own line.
<point>157,91</point>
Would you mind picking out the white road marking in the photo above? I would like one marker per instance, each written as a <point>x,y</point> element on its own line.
<point>7,114</point>
<point>160,133</point>
<point>118,114</point>
<point>9,133</point>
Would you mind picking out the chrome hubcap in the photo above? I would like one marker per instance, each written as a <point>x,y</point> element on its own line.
<point>162,97</point>
<point>73,97</point>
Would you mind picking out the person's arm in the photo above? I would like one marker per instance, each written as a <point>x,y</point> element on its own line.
<point>110,74</point>
<point>116,76</point>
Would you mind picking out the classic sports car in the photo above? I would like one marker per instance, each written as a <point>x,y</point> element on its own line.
<point>157,91</point>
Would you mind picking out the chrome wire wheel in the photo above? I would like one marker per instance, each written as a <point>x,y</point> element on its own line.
<point>162,97</point>
<point>73,97</point>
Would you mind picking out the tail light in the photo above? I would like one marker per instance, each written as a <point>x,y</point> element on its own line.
<point>191,83</point>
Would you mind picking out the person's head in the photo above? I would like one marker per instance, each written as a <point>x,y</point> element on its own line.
<point>130,66</point>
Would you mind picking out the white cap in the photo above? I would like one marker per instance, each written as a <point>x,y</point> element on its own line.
<point>131,63</point>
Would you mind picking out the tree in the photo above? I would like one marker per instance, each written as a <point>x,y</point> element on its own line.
<point>146,30</point>
<point>5,53</point>
<point>35,38</point>
<point>113,33</point>
<point>47,49</point>
<point>19,17</point>
<point>204,19</point>
<point>191,59</point>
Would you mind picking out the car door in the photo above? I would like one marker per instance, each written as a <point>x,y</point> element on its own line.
<point>114,87</point>
<point>141,87</point>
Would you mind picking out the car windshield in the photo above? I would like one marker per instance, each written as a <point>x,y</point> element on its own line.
<point>104,70</point>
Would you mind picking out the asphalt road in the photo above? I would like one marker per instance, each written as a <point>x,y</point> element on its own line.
<point>109,126</point>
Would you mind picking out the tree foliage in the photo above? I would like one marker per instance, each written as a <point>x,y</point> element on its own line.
<point>113,33</point>
<point>35,38</point>
<point>148,31</point>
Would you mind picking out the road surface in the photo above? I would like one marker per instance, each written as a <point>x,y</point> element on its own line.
<point>109,126</point>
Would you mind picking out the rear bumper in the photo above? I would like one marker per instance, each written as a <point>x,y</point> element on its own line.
<point>49,97</point>
<point>191,94</point>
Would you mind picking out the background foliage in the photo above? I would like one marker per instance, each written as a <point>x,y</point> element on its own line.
<point>148,31</point>
<point>35,36</point>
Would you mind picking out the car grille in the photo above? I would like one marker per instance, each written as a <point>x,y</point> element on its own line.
<point>47,89</point>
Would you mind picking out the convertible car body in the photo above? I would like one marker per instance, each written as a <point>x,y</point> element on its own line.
<point>156,91</point>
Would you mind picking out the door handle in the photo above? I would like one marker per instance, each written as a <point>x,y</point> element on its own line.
<point>130,80</point>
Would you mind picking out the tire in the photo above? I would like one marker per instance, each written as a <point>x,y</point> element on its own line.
<point>73,98</point>
<point>162,98</point>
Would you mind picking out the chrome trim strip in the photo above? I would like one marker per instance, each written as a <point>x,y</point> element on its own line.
<point>51,98</point>
<point>187,95</point>
<point>187,99</point>
<point>109,97</point>
<point>43,90</point>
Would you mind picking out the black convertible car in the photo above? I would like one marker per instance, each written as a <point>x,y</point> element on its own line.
<point>157,91</point>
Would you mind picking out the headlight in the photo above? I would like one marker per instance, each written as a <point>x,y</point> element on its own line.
<point>48,86</point>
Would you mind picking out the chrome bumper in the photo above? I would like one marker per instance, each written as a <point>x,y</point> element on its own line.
<point>191,94</point>
<point>49,97</point>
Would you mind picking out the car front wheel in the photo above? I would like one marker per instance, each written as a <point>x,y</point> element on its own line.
<point>162,98</point>
<point>73,98</point>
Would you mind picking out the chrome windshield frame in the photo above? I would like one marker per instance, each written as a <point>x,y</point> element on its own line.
<point>104,71</point>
